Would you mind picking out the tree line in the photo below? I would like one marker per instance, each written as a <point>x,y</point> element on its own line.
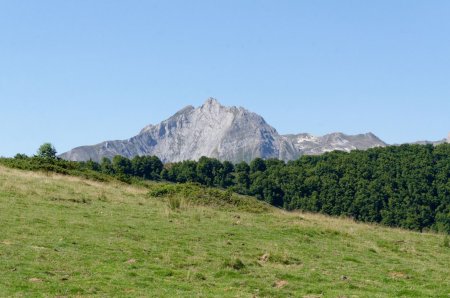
<point>404,186</point>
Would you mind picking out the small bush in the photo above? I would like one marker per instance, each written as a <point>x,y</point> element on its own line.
<point>162,191</point>
<point>102,197</point>
<point>446,241</point>
<point>124,178</point>
<point>199,276</point>
<point>235,264</point>
<point>174,203</point>
<point>284,259</point>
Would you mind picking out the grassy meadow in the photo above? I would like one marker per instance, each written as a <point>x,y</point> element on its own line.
<point>63,236</point>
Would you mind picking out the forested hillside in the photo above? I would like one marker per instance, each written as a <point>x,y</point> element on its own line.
<point>403,186</point>
<point>406,186</point>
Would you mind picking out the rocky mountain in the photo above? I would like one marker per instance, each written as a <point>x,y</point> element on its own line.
<point>312,145</point>
<point>226,133</point>
<point>213,130</point>
<point>427,142</point>
<point>434,143</point>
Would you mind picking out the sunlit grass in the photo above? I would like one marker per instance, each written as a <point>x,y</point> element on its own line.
<point>65,236</point>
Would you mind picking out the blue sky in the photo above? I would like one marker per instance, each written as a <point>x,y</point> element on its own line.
<point>80,72</point>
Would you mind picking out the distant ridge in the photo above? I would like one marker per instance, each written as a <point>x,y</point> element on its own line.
<point>312,145</point>
<point>447,140</point>
<point>227,133</point>
<point>430,142</point>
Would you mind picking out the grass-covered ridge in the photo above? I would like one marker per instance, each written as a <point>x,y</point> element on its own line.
<point>198,195</point>
<point>405,186</point>
<point>66,236</point>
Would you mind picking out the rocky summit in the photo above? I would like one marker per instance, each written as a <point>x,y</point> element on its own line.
<point>227,133</point>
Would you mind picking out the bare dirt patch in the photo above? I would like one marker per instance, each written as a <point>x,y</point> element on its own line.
<point>280,284</point>
<point>398,275</point>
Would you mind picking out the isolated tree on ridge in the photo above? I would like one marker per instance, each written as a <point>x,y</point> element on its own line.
<point>47,150</point>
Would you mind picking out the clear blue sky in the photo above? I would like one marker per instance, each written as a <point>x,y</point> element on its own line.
<point>80,72</point>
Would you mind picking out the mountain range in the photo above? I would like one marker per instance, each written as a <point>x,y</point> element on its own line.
<point>227,133</point>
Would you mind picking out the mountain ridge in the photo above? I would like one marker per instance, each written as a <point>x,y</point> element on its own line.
<point>227,133</point>
<point>309,144</point>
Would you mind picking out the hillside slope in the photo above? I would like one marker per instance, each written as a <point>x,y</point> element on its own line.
<point>65,236</point>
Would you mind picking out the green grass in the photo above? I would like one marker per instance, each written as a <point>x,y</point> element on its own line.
<point>65,236</point>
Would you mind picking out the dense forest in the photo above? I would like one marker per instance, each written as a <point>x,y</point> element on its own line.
<point>404,186</point>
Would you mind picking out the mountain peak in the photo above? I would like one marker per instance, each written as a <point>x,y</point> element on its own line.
<point>184,110</point>
<point>211,101</point>
<point>227,133</point>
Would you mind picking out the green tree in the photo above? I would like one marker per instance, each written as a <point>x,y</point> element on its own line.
<point>257,165</point>
<point>106,166</point>
<point>47,150</point>
<point>185,171</point>
<point>122,165</point>
<point>208,169</point>
<point>147,167</point>
<point>242,177</point>
<point>92,165</point>
<point>227,174</point>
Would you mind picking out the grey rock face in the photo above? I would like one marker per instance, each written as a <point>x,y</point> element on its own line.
<point>313,145</point>
<point>434,143</point>
<point>226,133</point>
<point>213,130</point>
